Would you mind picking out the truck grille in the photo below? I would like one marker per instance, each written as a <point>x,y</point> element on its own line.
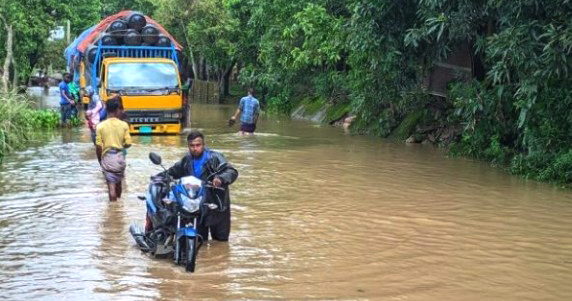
<point>154,116</point>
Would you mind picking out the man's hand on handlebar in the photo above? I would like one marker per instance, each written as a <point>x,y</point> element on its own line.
<point>217,182</point>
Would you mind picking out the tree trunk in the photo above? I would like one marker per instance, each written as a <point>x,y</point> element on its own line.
<point>226,79</point>
<point>195,68</point>
<point>238,68</point>
<point>220,80</point>
<point>8,59</point>
<point>190,49</point>
<point>204,74</point>
<point>15,79</point>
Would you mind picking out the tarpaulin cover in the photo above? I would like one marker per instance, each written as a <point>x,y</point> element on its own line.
<point>71,51</point>
<point>94,32</point>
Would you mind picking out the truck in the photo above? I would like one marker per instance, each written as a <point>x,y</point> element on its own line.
<point>131,55</point>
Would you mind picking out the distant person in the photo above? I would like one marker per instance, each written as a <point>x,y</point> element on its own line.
<point>122,114</point>
<point>66,100</point>
<point>94,107</point>
<point>74,92</point>
<point>249,109</point>
<point>112,138</point>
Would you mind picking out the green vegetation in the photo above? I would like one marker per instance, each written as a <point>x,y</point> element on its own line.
<point>236,91</point>
<point>337,111</point>
<point>407,126</point>
<point>19,120</point>
<point>29,23</point>
<point>371,58</point>
<point>312,105</point>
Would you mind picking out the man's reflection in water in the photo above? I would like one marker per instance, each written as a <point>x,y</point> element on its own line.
<point>209,281</point>
<point>112,250</point>
<point>66,135</point>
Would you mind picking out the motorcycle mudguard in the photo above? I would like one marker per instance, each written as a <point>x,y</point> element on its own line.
<point>186,232</point>
<point>151,207</point>
<point>155,193</point>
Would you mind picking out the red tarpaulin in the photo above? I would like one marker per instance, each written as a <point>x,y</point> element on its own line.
<point>102,26</point>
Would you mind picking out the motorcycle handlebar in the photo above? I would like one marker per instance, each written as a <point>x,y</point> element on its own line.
<point>161,178</point>
<point>210,185</point>
<point>166,178</point>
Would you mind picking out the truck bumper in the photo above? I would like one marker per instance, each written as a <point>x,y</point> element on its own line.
<point>146,129</point>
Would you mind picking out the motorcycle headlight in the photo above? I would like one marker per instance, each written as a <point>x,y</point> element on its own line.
<point>191,205</point>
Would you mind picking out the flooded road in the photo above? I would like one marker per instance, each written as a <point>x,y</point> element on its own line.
<point>317,215</point>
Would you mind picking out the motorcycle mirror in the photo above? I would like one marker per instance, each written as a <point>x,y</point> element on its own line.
<point>156,159</point>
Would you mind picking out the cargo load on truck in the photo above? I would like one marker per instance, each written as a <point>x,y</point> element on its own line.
<point>132,55</point>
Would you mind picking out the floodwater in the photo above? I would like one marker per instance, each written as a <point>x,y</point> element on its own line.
<point>317,215</point>
<point>47,98</point>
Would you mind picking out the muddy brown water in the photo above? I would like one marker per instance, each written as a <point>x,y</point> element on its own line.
<point>317,215</point>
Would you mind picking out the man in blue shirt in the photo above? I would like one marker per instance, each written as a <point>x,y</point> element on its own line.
<point>66,101</point>
<point>208,165</point>
<point>249,107</point>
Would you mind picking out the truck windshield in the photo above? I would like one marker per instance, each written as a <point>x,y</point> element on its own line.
<point>141,76</point>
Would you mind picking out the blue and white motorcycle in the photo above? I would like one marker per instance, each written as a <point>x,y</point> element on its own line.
<point>174,209</point>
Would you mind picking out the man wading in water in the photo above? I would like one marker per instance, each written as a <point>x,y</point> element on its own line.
<point>112,137</point>
<point>198,162</point>
<point>66,100</point>
<point>248,109</point>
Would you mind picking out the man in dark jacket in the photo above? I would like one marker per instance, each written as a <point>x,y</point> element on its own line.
<point>201,163</point>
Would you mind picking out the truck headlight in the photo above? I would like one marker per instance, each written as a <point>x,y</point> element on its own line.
<point>175,115</point>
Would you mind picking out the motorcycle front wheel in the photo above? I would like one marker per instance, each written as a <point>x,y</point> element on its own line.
<point>191,256</point>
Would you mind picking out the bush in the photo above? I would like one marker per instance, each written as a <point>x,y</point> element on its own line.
<point>535,144</point>
<point>560,169</point>
<point>19,119</point>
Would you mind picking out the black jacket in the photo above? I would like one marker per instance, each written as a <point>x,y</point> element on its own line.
<point>227,175</point>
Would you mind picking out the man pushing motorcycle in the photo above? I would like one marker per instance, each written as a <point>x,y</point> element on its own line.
<point>202,162</point>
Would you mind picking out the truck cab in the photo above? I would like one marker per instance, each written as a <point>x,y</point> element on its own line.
<point>148,80</point>
<point>150,89</point>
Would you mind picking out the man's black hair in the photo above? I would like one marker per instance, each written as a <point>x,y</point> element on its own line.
<point>194,135</point>
<point>113,104</point>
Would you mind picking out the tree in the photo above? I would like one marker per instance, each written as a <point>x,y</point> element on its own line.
<point>212,31</point>
<point>175,15</point>
<point>31,22</point>
<point>83,14</point>
<point>9,56</point>
<point>110,7</point>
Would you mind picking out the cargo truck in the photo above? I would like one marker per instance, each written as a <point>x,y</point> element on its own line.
<point>131,55</point>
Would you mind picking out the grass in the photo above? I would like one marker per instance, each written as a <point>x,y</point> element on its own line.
<point>19,119</point>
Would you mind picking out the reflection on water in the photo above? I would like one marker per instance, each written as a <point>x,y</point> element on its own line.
<point>48,98</point>
<point>317,215</point>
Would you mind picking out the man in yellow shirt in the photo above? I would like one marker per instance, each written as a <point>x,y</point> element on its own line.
<point>112,137</point>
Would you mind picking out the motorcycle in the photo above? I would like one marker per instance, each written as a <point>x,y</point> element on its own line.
<point>174,210</point>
